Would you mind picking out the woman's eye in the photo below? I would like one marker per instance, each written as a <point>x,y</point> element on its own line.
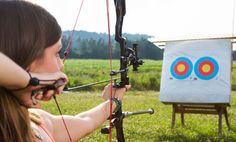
<point>59,54</point>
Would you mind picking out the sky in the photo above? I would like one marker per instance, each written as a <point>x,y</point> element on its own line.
<point>162,19</point>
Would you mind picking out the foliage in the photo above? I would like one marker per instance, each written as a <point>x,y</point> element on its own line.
<point>88,45</point>
<point>150,128</point>
<point>234,55</point>
<point>91,45</point>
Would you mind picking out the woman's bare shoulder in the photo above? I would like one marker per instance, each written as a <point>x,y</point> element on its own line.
<point>39,112</point>
<point>44,115</point>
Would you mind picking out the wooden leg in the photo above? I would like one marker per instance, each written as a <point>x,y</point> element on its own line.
<point>173,116</point>
<point>182,116</point>
<point>217,109</point>
<point>220,110</point>
<point>226,117</point>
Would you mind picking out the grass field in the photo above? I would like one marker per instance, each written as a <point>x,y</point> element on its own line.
<point>148,77</point>
<point>143,95</point>
<point>151,128</point>
<point>89,71</point>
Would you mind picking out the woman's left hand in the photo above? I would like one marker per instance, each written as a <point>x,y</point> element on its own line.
<point>116,92</point>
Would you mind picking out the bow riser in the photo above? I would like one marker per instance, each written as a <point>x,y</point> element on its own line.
<point>128,57</point>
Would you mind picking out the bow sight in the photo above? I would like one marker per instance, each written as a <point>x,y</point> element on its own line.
<point>132,57</point>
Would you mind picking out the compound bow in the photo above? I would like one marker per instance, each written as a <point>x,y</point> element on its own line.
<point>128,57</point>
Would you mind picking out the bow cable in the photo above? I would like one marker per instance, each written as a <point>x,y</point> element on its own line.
<point>66,53</point>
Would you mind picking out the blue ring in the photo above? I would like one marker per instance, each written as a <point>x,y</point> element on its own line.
<point>214,73</point>
<point>172,68</point>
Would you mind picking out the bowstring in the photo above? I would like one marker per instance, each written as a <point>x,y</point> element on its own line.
<point>66,53</point>
<point>110,65</point>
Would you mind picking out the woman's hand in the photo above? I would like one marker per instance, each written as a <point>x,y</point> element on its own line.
<point>116,92</point>
<point>29,95</point>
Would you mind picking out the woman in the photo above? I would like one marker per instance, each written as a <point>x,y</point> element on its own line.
<point>30,37</point>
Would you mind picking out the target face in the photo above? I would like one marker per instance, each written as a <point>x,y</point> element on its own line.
<point>206,68</point>
<point>181,68</point>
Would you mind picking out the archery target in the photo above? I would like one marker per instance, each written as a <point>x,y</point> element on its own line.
<point>196,71</point>
<point>206,68</point>
<point>181,68</point>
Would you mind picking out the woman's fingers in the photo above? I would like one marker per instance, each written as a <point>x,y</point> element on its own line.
<point>46,95</point>
<point>29,102</point>
<point>127,87</point>
<point>116,92</point>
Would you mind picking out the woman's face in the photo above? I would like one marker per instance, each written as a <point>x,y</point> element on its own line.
<point>50,62</point>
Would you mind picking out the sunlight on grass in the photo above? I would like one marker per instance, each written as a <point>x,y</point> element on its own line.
<point>150,128</point>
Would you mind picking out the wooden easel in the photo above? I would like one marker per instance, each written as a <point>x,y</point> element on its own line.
<point>215,109</point>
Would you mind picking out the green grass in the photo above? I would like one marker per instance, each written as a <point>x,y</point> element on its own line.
<point>143,95</point>
<point>148,77</point>
<point>88,71</point>
<point>150,128</point>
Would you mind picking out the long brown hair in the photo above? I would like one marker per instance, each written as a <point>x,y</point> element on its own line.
<point>25,31</point>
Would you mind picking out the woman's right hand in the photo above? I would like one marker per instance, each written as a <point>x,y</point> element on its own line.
<point>25,95</point>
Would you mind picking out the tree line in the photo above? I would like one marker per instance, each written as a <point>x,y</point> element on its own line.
<point>92,45</point>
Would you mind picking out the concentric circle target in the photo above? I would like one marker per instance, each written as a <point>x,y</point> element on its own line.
<point>206,68</point>
<point>181,68</point>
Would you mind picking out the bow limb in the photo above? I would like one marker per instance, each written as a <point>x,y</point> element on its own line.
<point>120,13</point>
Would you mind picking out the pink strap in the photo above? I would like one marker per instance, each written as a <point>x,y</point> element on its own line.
<point>47,132</point>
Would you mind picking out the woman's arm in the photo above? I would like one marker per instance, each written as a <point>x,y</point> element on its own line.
<point>16,79</point>
<point>80,125</point>
<point>84,123</point>
<point>12,76</point>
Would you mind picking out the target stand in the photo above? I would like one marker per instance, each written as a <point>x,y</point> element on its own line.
<point>205,68</point>
<point>217,109</point>
<point>196,78</point>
